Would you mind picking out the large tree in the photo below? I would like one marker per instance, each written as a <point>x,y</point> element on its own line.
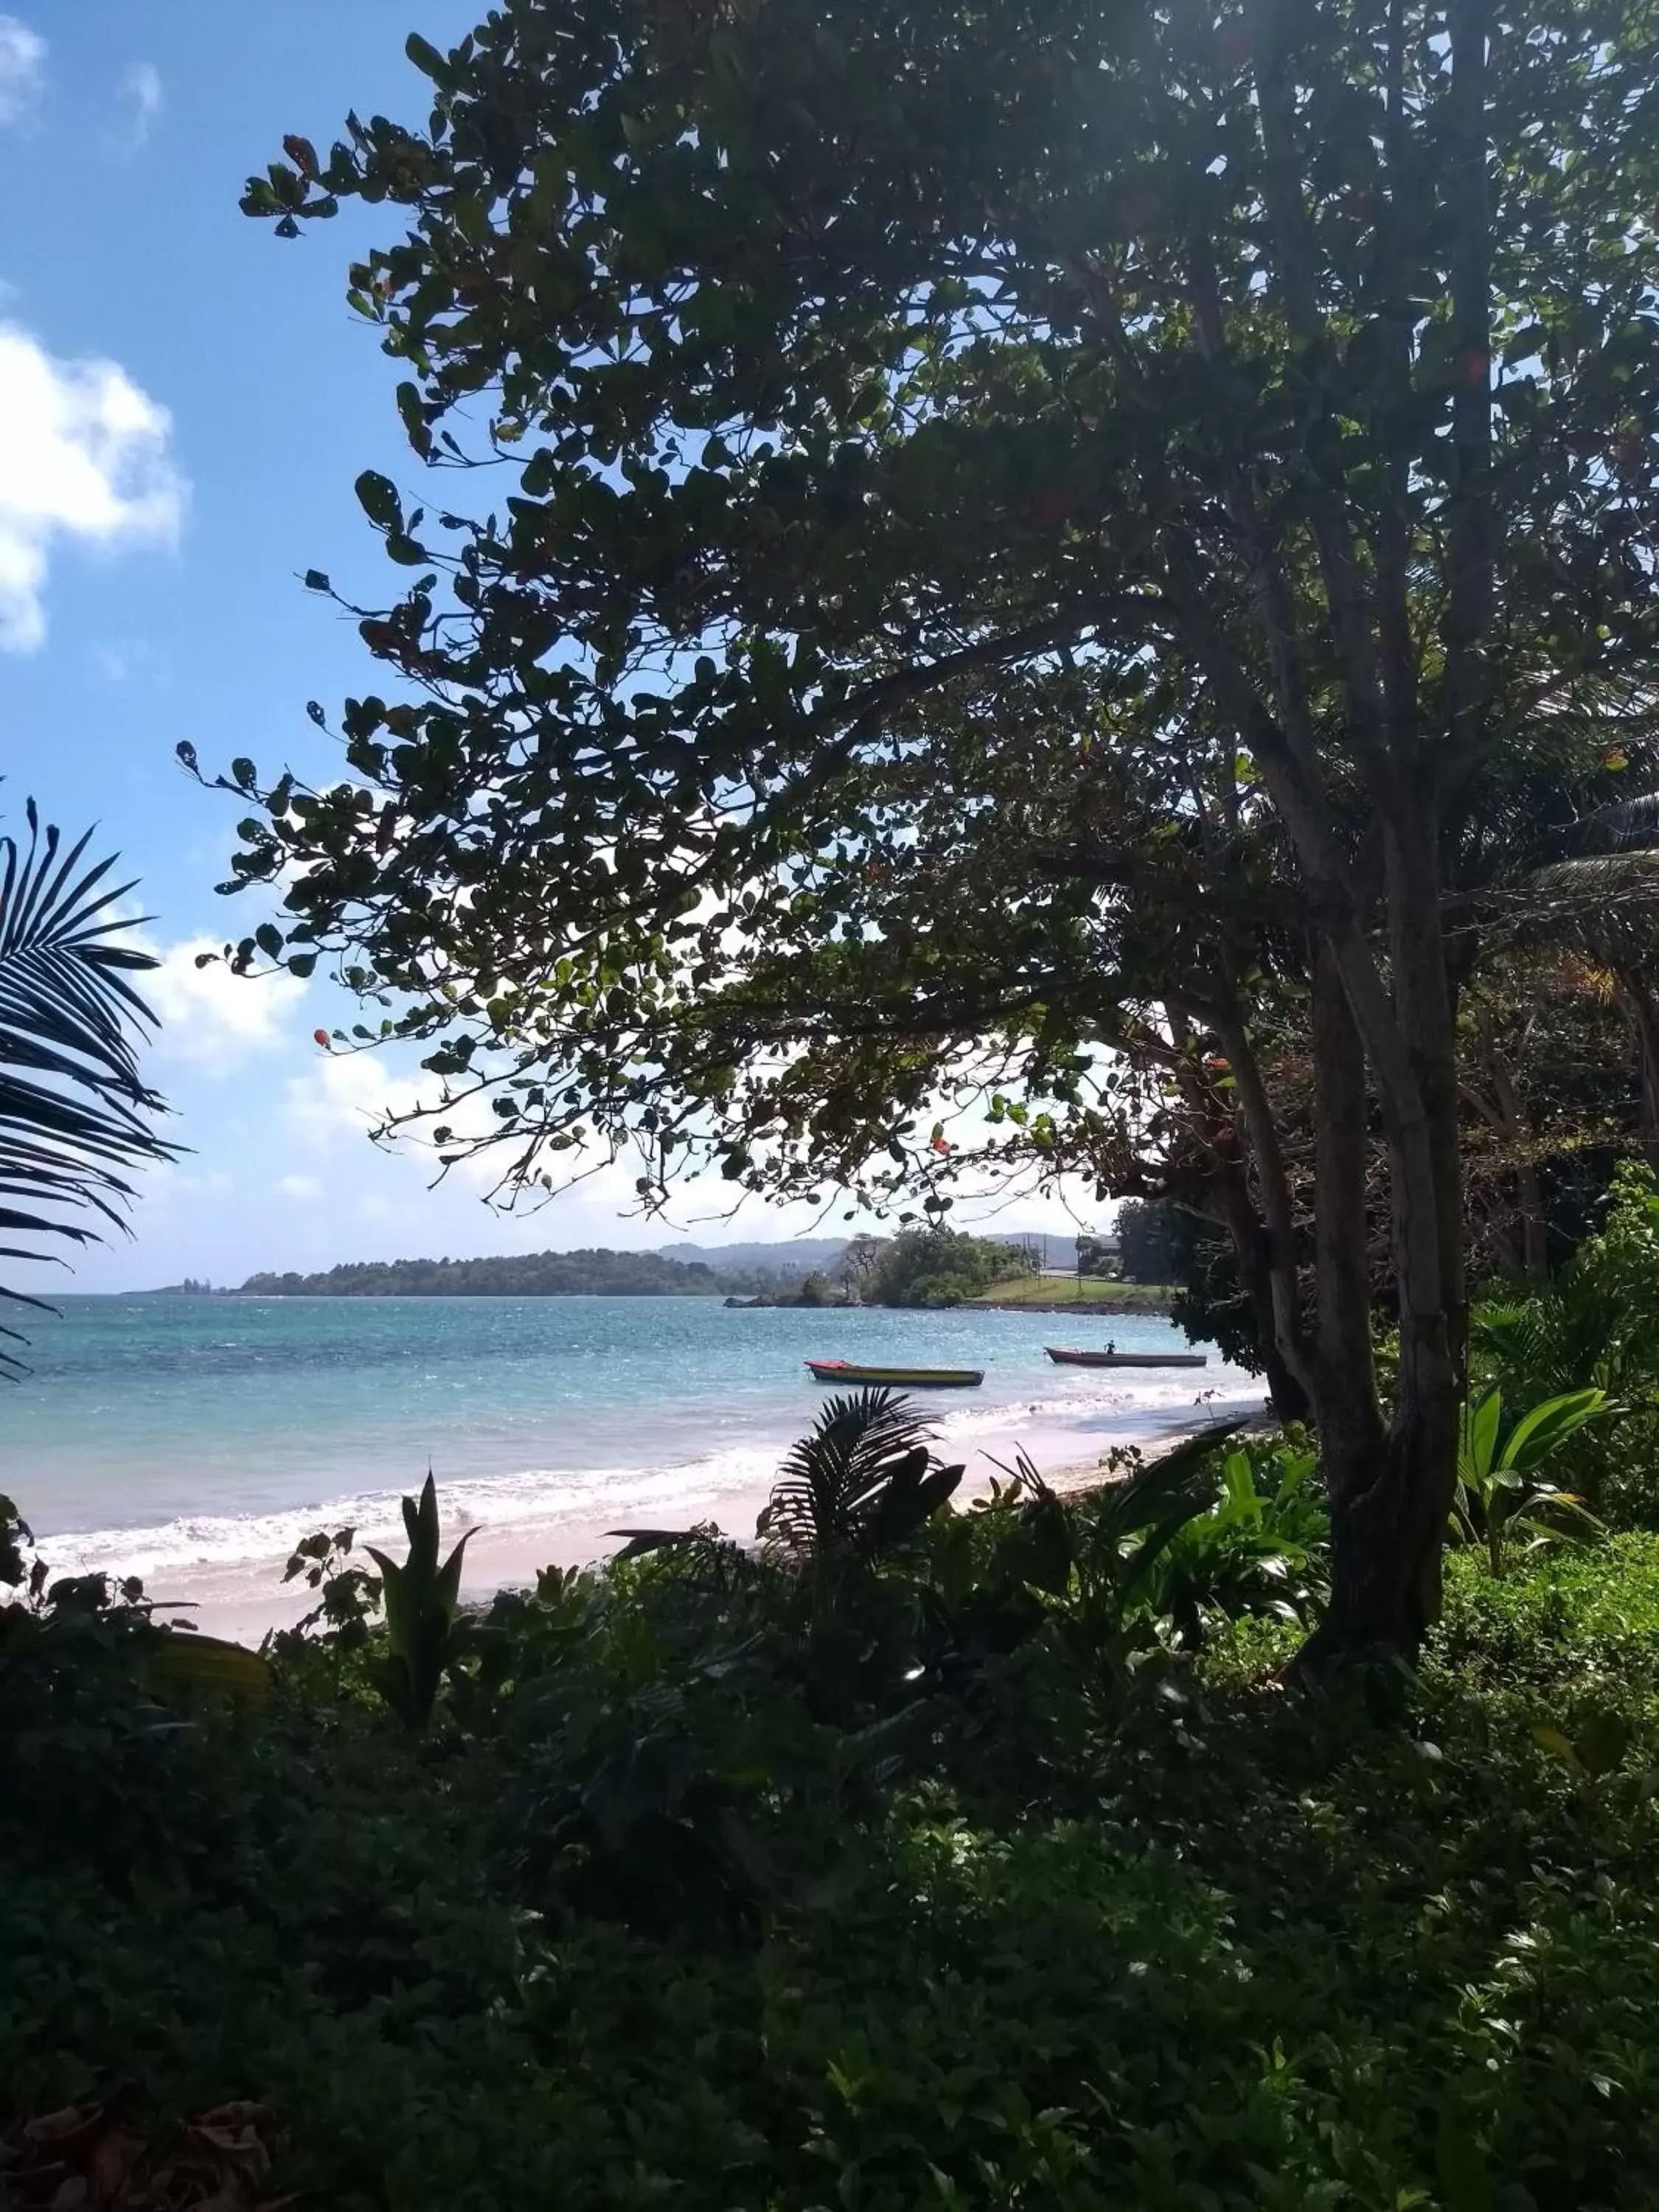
<point>1032,532</point>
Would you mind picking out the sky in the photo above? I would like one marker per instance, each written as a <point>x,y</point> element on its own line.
<point>185,405</point>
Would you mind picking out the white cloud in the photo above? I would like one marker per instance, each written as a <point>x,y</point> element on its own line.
<point>129,660</point>
<point>141,103</point>
<point>211,1019</point>
<point>301,1186</point>
<point>345,1096</point>
<point>168,1183</point>
<point>83,454</point>
<point>22,61</point>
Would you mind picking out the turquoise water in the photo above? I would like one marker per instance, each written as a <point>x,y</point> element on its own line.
<point>215,1429</point>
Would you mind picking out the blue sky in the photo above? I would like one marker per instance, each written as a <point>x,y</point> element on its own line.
<point>185,402</point>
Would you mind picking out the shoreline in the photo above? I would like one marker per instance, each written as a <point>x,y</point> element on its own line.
<point>1115,1309</point>
<point>243,1599</point>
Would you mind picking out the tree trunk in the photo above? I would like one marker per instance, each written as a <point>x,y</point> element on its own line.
<point>1261,1235</point>
<point>1344,1374</point>
<point>1388,1511</point>
<point>1288,1397</point>
<point>1370,1603</point>
<point>1534,1227</point>
<point>1390,1504</point>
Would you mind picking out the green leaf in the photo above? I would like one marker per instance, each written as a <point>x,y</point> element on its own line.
<point>416,426</point>
<point>1539,1432</point>
<point>1602,1743</point>
<point>378,497</point>
<point>427,58</point>
<point>183,1665</point>
<point>74,1109</point>
<point>1478,1437</point>
<point>1553,1740</point>
<point>1459,2160</point>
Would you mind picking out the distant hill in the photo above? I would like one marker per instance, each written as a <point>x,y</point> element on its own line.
<point>683,1270</point>
<point>594,1274</point>
<point>821,1256</point>
<point>806,1255</point>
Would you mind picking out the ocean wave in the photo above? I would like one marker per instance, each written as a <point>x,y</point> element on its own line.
<point>532,1495</point>
<point>1161,1398</point>
<point>1064,1426</point>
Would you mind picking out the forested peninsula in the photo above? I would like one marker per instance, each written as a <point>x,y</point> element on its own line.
<point>588,1273</point>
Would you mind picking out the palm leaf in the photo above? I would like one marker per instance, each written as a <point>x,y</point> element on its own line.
<point>1628,826</point>
<point>75,1113</point>
<point>1141,1517</point>
<point>832,1490</point>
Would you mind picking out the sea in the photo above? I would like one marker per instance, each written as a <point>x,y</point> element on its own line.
<point>169,1435</point>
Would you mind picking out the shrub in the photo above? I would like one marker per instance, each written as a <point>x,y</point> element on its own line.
<point>1050,1912</point>
<point>1593,1329</point>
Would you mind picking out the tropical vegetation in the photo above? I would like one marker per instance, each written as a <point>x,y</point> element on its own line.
<point>941,1266</point>
<point>908,1856</point>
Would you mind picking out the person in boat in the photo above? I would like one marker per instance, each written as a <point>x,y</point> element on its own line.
<point>1111,1346</point>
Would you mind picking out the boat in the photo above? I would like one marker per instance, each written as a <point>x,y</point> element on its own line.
<point>1063,1358</point>
<point>896,1378</point>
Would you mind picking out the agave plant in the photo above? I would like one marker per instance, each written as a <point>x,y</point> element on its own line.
<point>425,1634</point>
<point>1499,1497</point>
<point>75,1116</point>
<point>859,1483</point>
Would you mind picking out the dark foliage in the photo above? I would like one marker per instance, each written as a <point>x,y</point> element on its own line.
<point>860,1484</point>
<point>1149,1240</point>
<point>633,1925</point>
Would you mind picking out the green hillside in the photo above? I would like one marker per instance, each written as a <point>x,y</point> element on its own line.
<point>1041,1291</point>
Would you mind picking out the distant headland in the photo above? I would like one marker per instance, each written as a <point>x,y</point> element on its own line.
<point>595,1273</point>
<point>915,1268</point>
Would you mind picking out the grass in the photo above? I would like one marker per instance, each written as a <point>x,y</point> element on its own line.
<point>1077,1290</point>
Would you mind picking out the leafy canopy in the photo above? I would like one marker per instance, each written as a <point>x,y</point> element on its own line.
<point>951,461</point>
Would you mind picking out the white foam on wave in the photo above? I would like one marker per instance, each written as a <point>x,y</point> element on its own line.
<point>1088,1416</point>
<point>543,1495</point>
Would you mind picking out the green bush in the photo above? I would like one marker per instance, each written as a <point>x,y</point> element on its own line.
<point>1063,1902</point>
<point>1593,1329</point>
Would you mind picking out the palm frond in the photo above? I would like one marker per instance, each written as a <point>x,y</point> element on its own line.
<point>857,1482</point>
<point>75,1113</point>
<point>1631,825</point>
<point>1597,882</point>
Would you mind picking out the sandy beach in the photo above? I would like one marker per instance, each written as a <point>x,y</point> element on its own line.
<point>243,1600</point>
